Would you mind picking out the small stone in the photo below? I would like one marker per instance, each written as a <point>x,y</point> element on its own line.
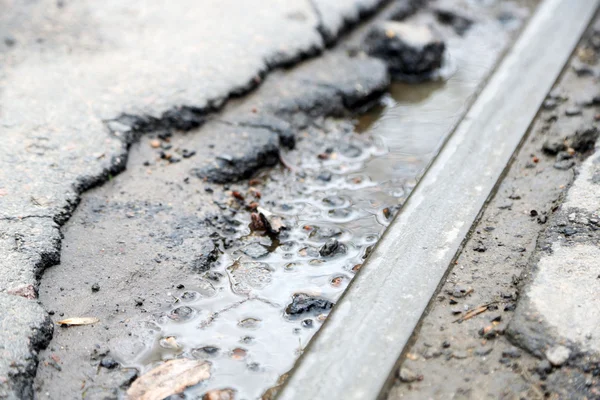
<point>331,248</point>
<point>95,287</point>
<point>109,363</point>
<point>411,51</point>
<point>459,291</point>
<point>303,303</point>
<point>563,155</point>
<point>307,323</point>
<point>480,248</point>
<point>183,313</point>
<point>511,353</point>
<point>249,323</point>
<point>483,351</point>
<point>543,367</point>
<point>572,111</point>
<point>553,146</point>
<point>564,165</point>
<point>206,351</point>
<point>558,355</point>
<point>584,139</point>
<point>406,375</point>
<point>549,104</point>
<point>325,176</point>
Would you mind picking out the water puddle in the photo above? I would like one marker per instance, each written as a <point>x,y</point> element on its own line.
<point>253,312</point>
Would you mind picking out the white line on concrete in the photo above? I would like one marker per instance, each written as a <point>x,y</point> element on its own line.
<point>354,352</point>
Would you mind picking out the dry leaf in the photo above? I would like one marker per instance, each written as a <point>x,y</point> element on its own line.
<point>78,321</point>
<point>169,378</point>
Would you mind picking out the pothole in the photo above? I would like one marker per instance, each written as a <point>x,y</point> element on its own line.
<point>243,274</point>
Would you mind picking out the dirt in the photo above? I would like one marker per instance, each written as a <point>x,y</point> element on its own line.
<point>489,352</point>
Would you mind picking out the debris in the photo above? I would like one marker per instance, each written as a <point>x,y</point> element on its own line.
<point>303,303</point>
<point>168,342</point>
<point>512,352</point>
<point>183,313</point>
<point>237,195</point>
<point>172,377</point>
<point>407,376</point>
<point>219,394</point>
<point>572,111</point>
<point>78,321</point>
<point>238,353</point>
<point>558,355</point>
<point>543,367</point>
<point>109,363</point>
<point>483,351</point>
<point>266,221</point>
<point>460,291</point>
<point>155,143</point>
<point>472,313</point>
<point>95,287</point>
<point>480,248</point>
<point>584,139</point>
<point>331,248</point>
<point>554,146</point>
<point>412,52</point>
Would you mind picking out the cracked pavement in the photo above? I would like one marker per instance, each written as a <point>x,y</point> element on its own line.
<point>73,72</point>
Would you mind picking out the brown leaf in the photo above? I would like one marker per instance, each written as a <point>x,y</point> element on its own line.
<point>172,377</point>
<point>219,394</point>
<point>78,321</point>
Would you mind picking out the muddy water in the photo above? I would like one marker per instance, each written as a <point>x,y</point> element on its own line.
<point>252,314</point>
<point>348,193</point>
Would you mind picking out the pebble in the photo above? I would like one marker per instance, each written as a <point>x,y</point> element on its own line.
<point>109,363</point>
<point>406,375</point>
<point>511,353</point>
<point>304,303</point>
<point>553,146</point>
<point>543,367</point>
<point>331,248</point>
<point>95,287</point>
<point>183,313</point>
<point>564,165</point>
<point>558,355</point>
<point>483,351</point>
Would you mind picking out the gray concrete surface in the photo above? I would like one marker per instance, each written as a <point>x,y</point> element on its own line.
<point>72,70</point>
<point>373,322</point>
<point>519,256</point>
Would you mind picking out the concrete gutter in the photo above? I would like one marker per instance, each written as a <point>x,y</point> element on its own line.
<point>354,353</point>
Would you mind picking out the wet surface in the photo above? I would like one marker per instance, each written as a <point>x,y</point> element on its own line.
<point>243,274</point>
